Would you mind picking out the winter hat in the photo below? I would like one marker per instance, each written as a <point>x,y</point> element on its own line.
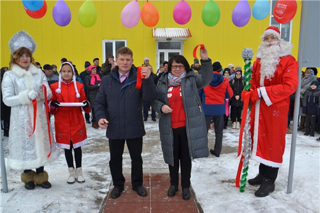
<point>196,61</point>
<point>54,66</point>
<point>217,66</point>
<point>272,30</point>
<point>145,59</point>
<point>238,68</point>
<point>91,67</point>
<point>230,66</point>
<point>73,78</point>
<point>315,82</point>
<point>226,70</point>
<point>86,64</point>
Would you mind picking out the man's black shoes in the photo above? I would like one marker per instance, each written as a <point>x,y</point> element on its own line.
<point>185,193</point>
<point>141,191</point>
<point>267,186</point>
<point>116,192</point>
<point>172,190</point>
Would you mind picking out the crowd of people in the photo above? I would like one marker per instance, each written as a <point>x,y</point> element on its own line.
<point>189,100</point>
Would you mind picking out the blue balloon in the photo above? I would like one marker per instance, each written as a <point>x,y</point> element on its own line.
<point>261,9</point>
<point>33,5</point>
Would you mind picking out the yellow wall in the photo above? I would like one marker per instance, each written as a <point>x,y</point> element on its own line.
<point>224,41</point>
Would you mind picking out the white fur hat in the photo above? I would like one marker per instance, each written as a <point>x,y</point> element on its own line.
<point>272,30</point>
<point>73,78</point>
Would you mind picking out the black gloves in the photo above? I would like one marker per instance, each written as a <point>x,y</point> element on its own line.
<point>55,103</point>
<point>86,104</point>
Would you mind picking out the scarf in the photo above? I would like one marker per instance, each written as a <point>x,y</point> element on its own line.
<point>175,81</point>
<point>93,80</point>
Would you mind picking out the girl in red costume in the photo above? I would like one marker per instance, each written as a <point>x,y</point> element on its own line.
<point>69,123</point>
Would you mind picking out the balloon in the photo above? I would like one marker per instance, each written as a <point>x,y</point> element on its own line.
<point>39,13</point>
<point>33,5</point>
<point>241,13</point>
<point>284,11</point>
<point>61,13</point>
<point>87,14</point>
<point>182,12</point>
<point>210,13</point>
<point>149,14</point>
<point>130,14</point>
<point>261,9</point>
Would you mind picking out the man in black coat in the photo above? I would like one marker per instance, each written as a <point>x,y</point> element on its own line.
<point>118,108</point>
<point>83,76</point>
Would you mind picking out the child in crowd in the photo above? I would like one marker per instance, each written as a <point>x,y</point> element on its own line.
<point>69,123</point>
<point>226,74</point>
<point>93,84</point>
<point>311,107</point>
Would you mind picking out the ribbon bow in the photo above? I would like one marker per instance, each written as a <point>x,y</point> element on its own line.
<point>195,50</point>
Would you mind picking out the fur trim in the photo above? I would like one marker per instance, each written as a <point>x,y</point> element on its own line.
<point>285,49</point>
<point>23,97</point>
<point>27,177</point>
<point>19,72</point>
<point>41,178</point>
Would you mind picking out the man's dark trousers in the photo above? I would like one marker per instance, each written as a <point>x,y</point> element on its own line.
<point>116,152</point>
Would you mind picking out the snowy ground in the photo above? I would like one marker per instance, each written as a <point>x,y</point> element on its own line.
<point>213,179</point>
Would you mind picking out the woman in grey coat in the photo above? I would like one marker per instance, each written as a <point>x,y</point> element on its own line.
<point>305,84</point>
<point>183,131</point>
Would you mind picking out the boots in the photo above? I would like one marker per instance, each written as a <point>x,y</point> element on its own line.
<point>79,175</point>
<point>288,131</point>
<point>71,178</point>
<point>172,190</point>
<point>95,125</point>
<point>234,125</point>
<point>41,179</point>
<point>307,131</point>
<point>237,125</point>
<point>302,123</point>
<point>267,186</point>
<point>257,180</point>
<point>27,178</point>
<point>185,193</point>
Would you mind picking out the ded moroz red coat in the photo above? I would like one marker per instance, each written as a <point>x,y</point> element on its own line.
<point>269,114</point>
<point>69,121</point>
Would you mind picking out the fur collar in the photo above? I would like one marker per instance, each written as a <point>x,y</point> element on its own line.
<point>18,71</point>
<point>285,49</point>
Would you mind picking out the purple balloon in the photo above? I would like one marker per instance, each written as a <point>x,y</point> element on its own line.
<point>61,13</point>
<point>241,13</point>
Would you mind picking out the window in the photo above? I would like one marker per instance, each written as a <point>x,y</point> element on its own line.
<point>285,29</point>
<point>110,47</point>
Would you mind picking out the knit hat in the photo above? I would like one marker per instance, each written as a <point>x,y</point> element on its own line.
<point>238,68</point>
<point>145,59</point>
<point>226,70</point>
<point>86,64</point>
<point>272,31</point>
<point>315,82</point>
<point>73,78</point>
<point>54,66</point>
<point>217,66</point>
<point>196,61</point>
<point>91,67</point>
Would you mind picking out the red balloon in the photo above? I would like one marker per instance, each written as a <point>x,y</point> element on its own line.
<point>284,11</point>
<point>39,13</point>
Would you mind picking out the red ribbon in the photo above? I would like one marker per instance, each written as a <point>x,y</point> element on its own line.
<point>246,98</point>
<point>195,50</point>
<point>34,103</point>
<point>139,78</point>
<point>47,113</point>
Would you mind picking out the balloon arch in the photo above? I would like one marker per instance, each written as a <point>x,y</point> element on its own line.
<point>284,11</point>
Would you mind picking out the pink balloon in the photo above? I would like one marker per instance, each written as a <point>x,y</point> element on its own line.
<point>182,12</point>
<point>130,14</point>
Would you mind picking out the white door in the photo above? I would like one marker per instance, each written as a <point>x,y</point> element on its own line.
<point>167,50</point>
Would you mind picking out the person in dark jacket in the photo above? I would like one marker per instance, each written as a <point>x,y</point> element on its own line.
<point>107,66</point>
<point>147,104</point>
<point>93,84</point>
<point>5,110</point>
<point>237,85</point>
<point>183,132</point>
<point>118,108</point>
<point>311,107</point>
<point>83,76</point>
<point>48,71</point>
<point>213,99</point>
<point>96,64</point>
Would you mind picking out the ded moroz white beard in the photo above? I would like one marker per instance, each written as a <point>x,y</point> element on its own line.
<point>270,54</point>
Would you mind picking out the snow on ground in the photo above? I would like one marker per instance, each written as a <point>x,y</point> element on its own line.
<point>213,179</point>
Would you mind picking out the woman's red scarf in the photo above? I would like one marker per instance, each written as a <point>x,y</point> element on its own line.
<point>93,79</point>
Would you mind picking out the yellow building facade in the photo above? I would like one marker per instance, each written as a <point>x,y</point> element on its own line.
<point>224,41</point>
